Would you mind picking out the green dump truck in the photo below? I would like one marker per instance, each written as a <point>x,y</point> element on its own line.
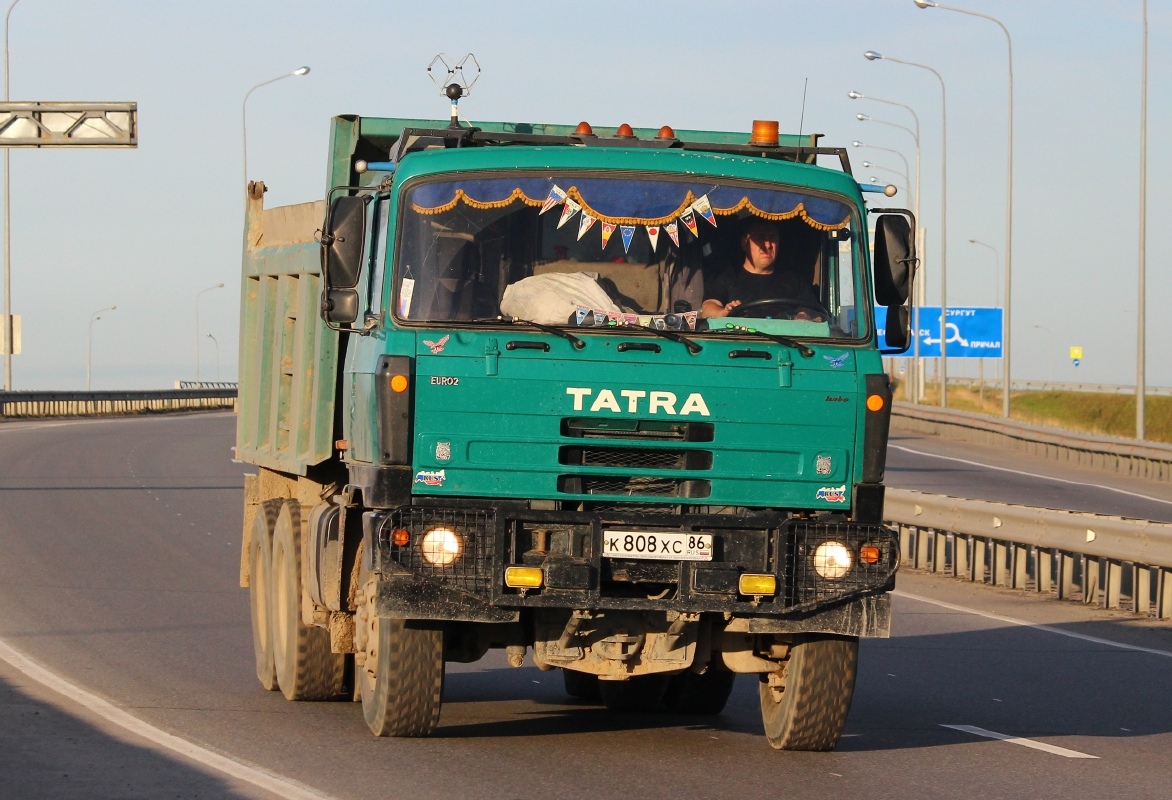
<point>491,405</point>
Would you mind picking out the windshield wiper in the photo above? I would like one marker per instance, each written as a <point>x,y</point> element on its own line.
<point>693,348</point>
<point>774,337</point>
<point>569,337</point>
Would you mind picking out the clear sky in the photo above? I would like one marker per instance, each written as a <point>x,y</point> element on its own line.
<point>148,228</point>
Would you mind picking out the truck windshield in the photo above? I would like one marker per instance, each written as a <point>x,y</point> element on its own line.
<point>581,250</point>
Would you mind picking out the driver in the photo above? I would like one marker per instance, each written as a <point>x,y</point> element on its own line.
<point>756,279</point>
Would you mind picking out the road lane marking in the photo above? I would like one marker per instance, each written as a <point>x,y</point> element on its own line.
<point>1035,625</point>
<point>279,786</point>
<point>1030,743</point>
<point>1032,474</point>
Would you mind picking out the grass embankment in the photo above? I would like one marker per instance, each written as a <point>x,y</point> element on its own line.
<point>1105,414</point>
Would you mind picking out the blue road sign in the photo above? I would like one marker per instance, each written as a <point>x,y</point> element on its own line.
<point>971,332</point>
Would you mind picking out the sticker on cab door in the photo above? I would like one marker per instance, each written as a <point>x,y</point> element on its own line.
<point>437,347</point>
<point>837,361</point>
<point>832,494</point>
<point>430,477</point>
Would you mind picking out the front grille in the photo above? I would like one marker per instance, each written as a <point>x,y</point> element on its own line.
<point>473,568</point>
<point>807,588</point>
<point>602,428</point>
<point>633,486</point>
<point>635,458</point>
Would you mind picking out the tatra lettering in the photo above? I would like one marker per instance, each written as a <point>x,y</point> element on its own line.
<point>638,401</point>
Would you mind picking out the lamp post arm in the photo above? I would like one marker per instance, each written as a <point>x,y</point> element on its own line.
<point>909,109</point>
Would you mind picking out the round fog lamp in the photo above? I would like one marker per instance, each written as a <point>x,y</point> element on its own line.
<point>832,560</point>
<point>440,547</point>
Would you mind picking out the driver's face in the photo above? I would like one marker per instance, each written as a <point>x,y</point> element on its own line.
<point>760,245</point>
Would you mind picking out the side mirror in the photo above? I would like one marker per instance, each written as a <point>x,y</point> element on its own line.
<point>898,332</point>
<point>343,241</point>
<point>340,306</point>
<point>895,257</point>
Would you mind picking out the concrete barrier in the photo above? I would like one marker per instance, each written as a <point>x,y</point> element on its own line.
<point>27,405</point>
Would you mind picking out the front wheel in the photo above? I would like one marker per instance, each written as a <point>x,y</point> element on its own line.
<point>401,677</point>
<point>804,705</point>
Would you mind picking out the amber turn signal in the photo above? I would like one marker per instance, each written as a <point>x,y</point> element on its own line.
<point>757,584</point>
<point>399,383</point>
<point>400,537</point>
<point>869,554</point>
<point>523,577</point>
<point>875,403</point>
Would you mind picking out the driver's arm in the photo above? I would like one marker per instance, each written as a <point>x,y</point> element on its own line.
<point>715,308</point>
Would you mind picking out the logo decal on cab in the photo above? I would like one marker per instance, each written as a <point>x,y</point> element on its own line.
<point>635,401</point>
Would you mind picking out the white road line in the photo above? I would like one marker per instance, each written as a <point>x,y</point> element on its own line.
<point>1046,748</point>
<point>1031,474</point>
<point>279,786</point>
<point>1037,626</point>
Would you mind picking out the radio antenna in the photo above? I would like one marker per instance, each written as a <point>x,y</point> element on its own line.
<point>802,118</point>
<point>454,84</point>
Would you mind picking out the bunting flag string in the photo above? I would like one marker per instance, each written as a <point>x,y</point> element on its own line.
<point>628,232</point>
<point>673,231</point>
<point>607,230</point>
<point>704,209</point>
<point>585,224</point>
<point>556,195</point>
<point>571,208</point>
<point>688,218</point>
<point>653,235</point>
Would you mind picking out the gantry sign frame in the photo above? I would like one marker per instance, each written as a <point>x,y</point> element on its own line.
<point>55,124</point>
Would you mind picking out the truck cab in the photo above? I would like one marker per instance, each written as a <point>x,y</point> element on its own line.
<point>610,398</point>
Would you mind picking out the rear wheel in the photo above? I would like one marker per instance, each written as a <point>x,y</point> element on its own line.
<point>260,548</point>
<point>582,685</point>
<point>401,679</point>
<point>305,666</point>
<point>640,693</point>
<point>805,705</point>
<point>689,693</point>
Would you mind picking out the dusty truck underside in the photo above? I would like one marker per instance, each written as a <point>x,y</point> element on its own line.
<point>329,622</point>
<point>364,582</point>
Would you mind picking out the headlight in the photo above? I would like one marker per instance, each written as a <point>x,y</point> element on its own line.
<point>440,547</point>
<point>832,560</point>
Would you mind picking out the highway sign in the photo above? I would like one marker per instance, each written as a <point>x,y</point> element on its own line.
<point>972,332</point>
<point>1075,353</point>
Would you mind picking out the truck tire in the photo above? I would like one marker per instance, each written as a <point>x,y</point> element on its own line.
<point>305,666</point>
<point>707,694</point>
<point>260,548</point>
<point>638,694</point>
<point>809,711</point>
<point>582,685</point>
<point>402,681</point>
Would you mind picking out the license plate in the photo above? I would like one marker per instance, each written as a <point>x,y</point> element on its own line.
<point>657,546</point>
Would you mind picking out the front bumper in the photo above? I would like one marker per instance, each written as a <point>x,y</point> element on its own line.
<point>566,545</point>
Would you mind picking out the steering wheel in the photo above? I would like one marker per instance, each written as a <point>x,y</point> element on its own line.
<point>783,308</point>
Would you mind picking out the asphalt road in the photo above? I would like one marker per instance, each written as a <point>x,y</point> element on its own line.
<point>119,550</point>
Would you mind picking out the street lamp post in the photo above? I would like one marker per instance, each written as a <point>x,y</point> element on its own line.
<point>996,300</point>
<point>7,231</point>
<point>1141,345</point>
<point>871,55</point>
<point>244,113</point>
<point>89,344</point>
<point>1009,187</point>
<point>199,294</point>
<point>921,294</point>
<point>217,344</point>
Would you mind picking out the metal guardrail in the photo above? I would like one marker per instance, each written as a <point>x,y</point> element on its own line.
<point>1113,562</point>
<point>1060,386</point>
<point>1131,457</point>
<point>25,405</point>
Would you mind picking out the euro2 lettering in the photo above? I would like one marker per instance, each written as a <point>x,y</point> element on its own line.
<point>638,401</point>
